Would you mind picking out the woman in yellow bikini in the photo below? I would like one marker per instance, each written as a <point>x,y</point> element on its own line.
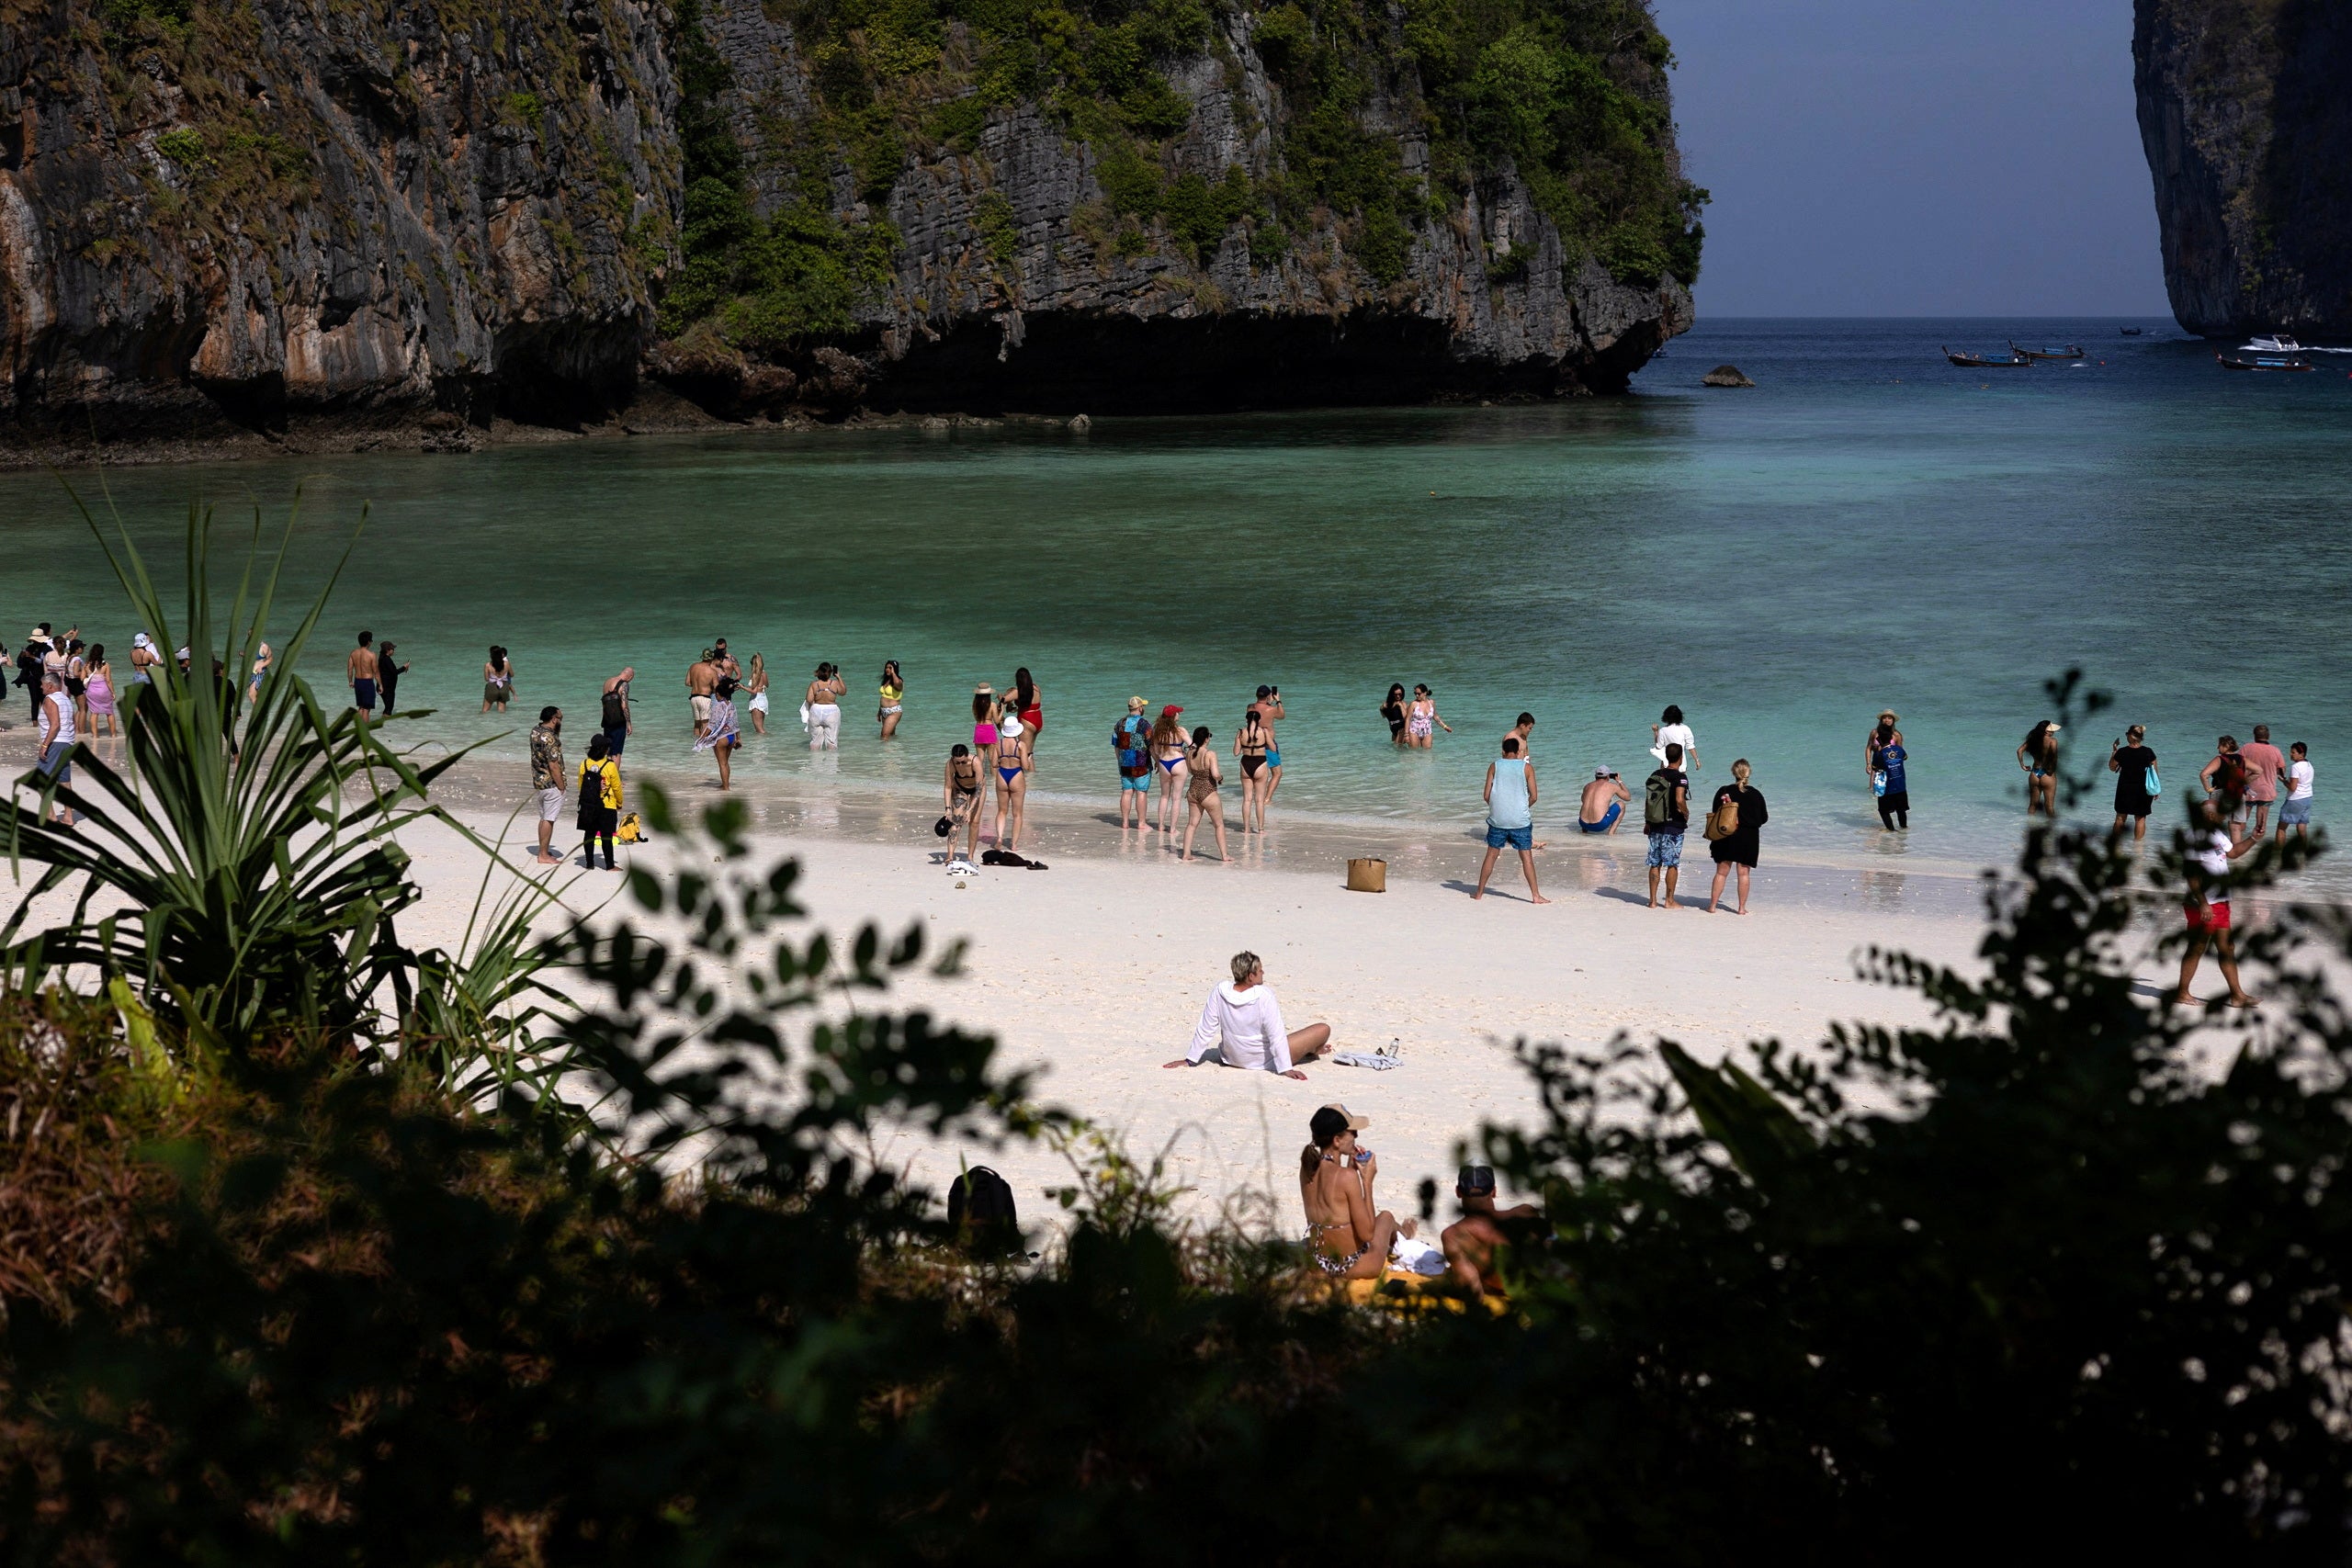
<point>894,688</point>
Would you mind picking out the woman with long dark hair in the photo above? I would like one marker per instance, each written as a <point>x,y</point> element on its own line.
<point>2038,755</point>
<point>891,705</point>
<point>497,680</point>
<point>1393,710</point>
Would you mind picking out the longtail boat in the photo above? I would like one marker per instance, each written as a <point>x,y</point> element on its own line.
<point>2073,351</point>
<point>1979,362</point>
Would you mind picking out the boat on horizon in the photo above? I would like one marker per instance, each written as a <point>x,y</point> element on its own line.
<point>2131,332</point>
<point>2073,351</point>
<point>2280,343</point>
<point>2265,362</point>
<point>1979,362</point>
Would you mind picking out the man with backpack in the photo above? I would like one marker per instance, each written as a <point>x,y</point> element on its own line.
<point>1665,816</point>
<point>2224,779</point>
<point>619,723</point>
<point>1131,742</point>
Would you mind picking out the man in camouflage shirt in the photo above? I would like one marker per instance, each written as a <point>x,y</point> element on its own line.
<point>546,777</point>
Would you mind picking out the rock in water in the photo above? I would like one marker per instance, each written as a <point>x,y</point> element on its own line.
<point>2248,130</point>
<point>1726,375</point>
<point>1080,425</point>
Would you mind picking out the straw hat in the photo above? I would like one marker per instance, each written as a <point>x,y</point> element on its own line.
<point>1888,715</point>
<point>1137,705</point>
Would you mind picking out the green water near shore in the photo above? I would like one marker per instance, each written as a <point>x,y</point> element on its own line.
<point>1867,528</point>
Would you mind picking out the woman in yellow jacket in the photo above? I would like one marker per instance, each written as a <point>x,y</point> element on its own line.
<point>600,802</point>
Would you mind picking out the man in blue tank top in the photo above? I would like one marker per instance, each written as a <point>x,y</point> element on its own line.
<point>1511,815</point>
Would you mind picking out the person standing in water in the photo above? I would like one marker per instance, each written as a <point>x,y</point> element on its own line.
<point>1743,806</point>
<point>2133,765</point>
<point>701,679</point>
<point>1886,770</point>
<point>387,674</point>
<point>1670,730</point>
<point>99,692</point>
<point>1269,709</point>
<point>497,680</point>
<point>1029,706</point>
<point>2038,755</point>
<point>1169,750</point>
<point>618,725</point>
<point>1011,763</point>
<point>1510,817</point>
<point>361,668</point>
<point>1249,746</point>
<point>892,703</point>
<point>2264,768</point>
<point>756,689</point>
<point>1421,720</point>
<point>824,698</point>
<point>724,732</point>
<point>2224,778</point>
<point>2295,811</point>
<point>1131,743</point>
<point>1392,708</point>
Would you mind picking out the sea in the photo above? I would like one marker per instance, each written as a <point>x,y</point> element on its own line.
<point>1867,527</point>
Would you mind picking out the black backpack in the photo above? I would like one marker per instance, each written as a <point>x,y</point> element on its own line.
<point>1658,799</point>
<point>980,1213</point>
<point>616,710</point>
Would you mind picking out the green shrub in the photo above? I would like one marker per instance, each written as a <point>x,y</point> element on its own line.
<point>993,216</point>
<point>183,146</point>
<point>525,108</point>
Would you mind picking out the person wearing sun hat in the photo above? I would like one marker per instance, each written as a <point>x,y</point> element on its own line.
<point>1131,742</point>
<point>1884,759</point>
<point>1242,1024</point>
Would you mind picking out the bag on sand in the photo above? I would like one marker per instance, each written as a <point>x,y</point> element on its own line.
<point>629,832</point>
<point>1658,799</point>
<point>980,1212</point>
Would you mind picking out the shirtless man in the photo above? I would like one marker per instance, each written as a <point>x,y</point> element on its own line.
<point>619,725</point>
<point>725,660</point>
<point>702,676</point>
<point>362,668</point>
<point>1604,803</point>
<point>1471,1242</point>
<point>1269,707</point>
<point>1523,732</point>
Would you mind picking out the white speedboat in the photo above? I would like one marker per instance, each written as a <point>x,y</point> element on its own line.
<point>2282,343</point>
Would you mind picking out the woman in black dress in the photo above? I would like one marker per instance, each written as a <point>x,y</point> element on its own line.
<point>1737,848</point>
<point>2131,765</point>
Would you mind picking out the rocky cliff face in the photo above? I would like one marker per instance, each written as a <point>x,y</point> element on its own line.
<point>337,222</point>
<point>2248,130</point>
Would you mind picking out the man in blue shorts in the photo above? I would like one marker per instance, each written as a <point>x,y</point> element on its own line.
<point>1665,816</point>
<point>1131,740</point>
<point>1511,815</point>
<point>1605,799</point>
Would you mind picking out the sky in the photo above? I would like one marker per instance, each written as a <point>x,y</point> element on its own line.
<point>1916,157</point>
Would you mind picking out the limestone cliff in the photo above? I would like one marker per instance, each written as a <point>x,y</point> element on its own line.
<point>2248,130</point>
<point>351,223</point>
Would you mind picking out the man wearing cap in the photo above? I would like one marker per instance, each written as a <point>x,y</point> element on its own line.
<point>1605,799</point>
<point>1471,1242</point>
<point>1243,1025</point>
<point>1131,740</point>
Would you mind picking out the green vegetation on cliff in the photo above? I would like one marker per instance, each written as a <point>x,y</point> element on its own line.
<point>1570,93</point>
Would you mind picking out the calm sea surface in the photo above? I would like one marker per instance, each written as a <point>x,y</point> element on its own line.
<point>1868,528</point>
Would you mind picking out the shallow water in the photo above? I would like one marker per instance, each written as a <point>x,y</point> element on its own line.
<point>1867,527</point>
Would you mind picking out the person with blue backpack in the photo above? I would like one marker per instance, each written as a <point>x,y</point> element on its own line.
<point>1883,763</point>
<point>1131,741</point>
<point>2136,784</point>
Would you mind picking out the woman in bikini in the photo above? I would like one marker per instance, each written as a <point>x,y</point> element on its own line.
<point>1011,764</point>
<point>1200,792</point>
<point>1422,719</point>
<point>1349,1238</point>
<point>1250,744</point>
<point>894,688</point>
<point>99,691</point>
<point>960,791</point>
<point>497,680</point>
<point>822,699</point>
<point>755,686</point>
<point>2038,755</point>
<point>1169,747</point>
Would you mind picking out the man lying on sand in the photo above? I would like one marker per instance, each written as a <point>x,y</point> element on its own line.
<point>1470,1243</point>
<point>1243,1023</point>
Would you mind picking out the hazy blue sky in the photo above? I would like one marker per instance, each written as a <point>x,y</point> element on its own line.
<point>1916,157</point>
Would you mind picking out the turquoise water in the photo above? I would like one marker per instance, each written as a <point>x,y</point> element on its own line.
<point>1868,528</point>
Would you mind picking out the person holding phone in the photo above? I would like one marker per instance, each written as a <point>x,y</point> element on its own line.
<point>2133,766</point>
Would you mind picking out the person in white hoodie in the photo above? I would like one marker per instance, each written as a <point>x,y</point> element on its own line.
<point>1243,1025</point>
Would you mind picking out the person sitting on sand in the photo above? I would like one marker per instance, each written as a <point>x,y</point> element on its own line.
<point>1605,799</point>
<point>1471,1243</point>
<point>1243,1023</point>
<point>1350,1239</point>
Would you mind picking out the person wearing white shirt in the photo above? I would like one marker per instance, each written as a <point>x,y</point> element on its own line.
<point>1670,730</point>
<point>1242,1023</point>
<point>2206,900</point>
<point>2295,811</point>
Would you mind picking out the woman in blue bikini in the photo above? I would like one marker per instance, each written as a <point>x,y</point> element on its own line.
<point>1011,764</point>
<point>1169,747</point>
<point>2039,756</point>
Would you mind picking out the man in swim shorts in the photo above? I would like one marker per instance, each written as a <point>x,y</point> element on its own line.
<point>362,667</point>
<point>702,675</point>
<point>1605,799</point>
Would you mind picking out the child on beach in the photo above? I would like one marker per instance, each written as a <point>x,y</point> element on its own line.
<point>2294,812</point>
